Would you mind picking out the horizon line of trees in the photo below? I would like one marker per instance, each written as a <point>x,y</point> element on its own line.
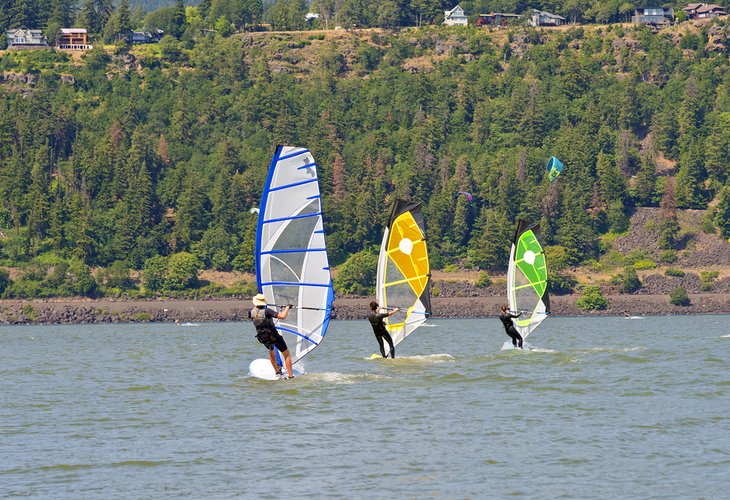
<point>110,23</point>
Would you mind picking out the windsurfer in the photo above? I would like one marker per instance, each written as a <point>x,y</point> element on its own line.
<point>376,320</point>
<point>267,334</point>
<point>506,319</point>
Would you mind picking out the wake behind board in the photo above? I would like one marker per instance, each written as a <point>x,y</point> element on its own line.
<point>261,369</point>
<point>507,346</point>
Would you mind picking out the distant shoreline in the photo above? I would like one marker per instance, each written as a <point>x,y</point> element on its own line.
<point>84,311</point>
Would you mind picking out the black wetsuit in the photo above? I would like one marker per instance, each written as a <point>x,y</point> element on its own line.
<point>509,327</point>
<point>376,320</point>
<point>266,332</point>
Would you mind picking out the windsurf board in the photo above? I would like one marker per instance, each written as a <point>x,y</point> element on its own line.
<point>261,368</point>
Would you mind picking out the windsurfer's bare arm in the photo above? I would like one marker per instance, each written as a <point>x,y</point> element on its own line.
<point>283,314</point>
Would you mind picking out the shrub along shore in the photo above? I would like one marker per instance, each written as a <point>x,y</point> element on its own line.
<point>82,311</point>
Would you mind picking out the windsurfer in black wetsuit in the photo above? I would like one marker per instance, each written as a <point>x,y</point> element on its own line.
<point>376,320</point>
<point>506,319</point>
<point>267,334</point>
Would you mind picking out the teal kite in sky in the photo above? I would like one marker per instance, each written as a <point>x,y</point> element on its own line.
<point>554,167</point>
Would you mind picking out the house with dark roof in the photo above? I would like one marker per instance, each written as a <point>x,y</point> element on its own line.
<point>653,15</point>
<point>704,10</point>
<point>542,18</point>
<point>20,39</point>
<point>499,19</point>
<point>138,37</point>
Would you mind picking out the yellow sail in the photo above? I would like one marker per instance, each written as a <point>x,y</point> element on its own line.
<point>403,271</point>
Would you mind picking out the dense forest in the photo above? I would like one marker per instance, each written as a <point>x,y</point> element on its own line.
<point>150,158</point>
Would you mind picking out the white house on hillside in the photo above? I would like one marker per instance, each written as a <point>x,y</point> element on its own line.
<point>19,38</point>
<point>455,17</point>
<point>542,18</point>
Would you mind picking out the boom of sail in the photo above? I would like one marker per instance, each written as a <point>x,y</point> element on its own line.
<point>527,278</point>
<point>291,255</point>
<point>403,271</point>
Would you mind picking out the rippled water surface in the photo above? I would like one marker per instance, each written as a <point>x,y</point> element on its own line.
<point>600,408</point>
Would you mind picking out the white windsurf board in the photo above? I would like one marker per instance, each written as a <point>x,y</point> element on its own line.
<point>261,368</point>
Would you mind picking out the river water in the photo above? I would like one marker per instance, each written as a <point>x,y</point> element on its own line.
<point>600,408</point>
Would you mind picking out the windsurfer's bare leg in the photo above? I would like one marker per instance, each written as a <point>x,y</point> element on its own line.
<point>287,362</point>
<point>272,358</point>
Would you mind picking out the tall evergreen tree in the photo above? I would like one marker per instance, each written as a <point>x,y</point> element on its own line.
<point>62,14</point>
<point>722,213</point>
<point>178,19</point>
<point>88,17</point>
<point>24,14</point>
<point>119,25</point>
<point>645,188</point>
<point>104,10</point>
<point>38,196</point>
<point>717,149</point>
<point>690,179</point>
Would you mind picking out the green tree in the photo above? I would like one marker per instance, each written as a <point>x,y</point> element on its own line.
<point>119,25</point>
<point>178,19</point>
<point>424,11</point>
<point>62,13</point>
<point>689,188</point>
<point>592,299</point>
<point>358,274</point>
<point>223,26</point>
<point>490,246</point>
<point>679,297</point>
<point>153,275</point>
<point>288,15</point>
<point>104,10</point>
<point>5,281</point>
<point>669,222</point>
<point>25,14</point>
<point>191,218</point>
<point>88,17</point>
<point>644,190</point>
<point>722,213</point>
<point>388,14</point>
<point>79,277</point>
<point>612,186</point>
<point>182,271</point>
<point>38,197</point>
<point>630,281</point>
<point>717,149</point>
<point>117,276</point>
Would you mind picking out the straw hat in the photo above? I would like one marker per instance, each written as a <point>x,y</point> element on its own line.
<point>259,300</point>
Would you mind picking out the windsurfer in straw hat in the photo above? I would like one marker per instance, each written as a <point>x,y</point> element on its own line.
<point>266,333</point>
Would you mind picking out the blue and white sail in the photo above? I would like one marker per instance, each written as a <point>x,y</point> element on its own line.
<point>291,255</point>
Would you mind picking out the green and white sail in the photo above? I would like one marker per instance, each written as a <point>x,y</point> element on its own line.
<point>527,278</point>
